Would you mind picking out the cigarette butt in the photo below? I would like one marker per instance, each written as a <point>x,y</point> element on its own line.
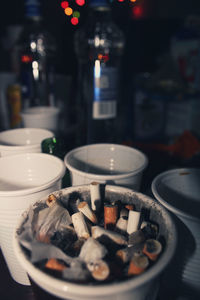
<point>121,224</point>
<point>130,206</point>
<point>80,225</point>
<point>110,216</point>
<point>133,221</point>
<point>102,233</point>
<point>54,264</point>
<point>86,210</point>
<point>51,200</point>
<point>100,270</point>
<point>95,196</point>
<point>152,248</point>
<point>123,255</point>
<point>138,264</point>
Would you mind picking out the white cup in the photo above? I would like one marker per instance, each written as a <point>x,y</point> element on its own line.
<point>144,286</point>
<point>22,140</point>
<point>179,191</point>
<point>106,163</point>
<point>24,179</point>
<point>41,117</point>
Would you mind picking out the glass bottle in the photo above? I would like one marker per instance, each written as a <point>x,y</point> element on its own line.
<point>36,50</point>
<point>99,47</point>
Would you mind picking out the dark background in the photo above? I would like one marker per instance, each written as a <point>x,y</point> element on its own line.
<point>147,37</point>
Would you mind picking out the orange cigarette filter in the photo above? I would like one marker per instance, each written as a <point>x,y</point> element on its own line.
<point>137,265</point>
<point>51,200</point>
<point>54,264</point>
<point>129,206</point>
<point>101,271</point>
<point>110,216</point>
<point>152,249</point>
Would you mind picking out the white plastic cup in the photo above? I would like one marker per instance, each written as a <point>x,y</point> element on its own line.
<point>144,286</point>
<point>41,117</point>
<point>179,191</point>
<point>106,163</point>
<point>22,140</point>
<point>24,179</point>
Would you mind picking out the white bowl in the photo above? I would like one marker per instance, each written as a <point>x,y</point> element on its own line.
<point>24,179</point>
<point>41,117</point>
<point>106,163</point>
<point>138,288</point>
<point>179,191</point>
<point>22,140</point>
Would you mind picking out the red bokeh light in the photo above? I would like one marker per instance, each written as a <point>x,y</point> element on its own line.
<point>64,4</point>
<point>137,11</point>
<point>80,2</point>
<point>74,21</point>
<point>26,58</point>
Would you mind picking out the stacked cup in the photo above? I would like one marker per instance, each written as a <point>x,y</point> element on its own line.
<point>24,179</point>
<point>22,140</point>
<point>26,175</point>
<point>41,117</point>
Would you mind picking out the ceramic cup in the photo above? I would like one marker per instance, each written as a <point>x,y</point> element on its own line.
<point>179,191</point>
<point>110,163</point>
<point>144,286</point>
<point>41,117</point>
<point>24,179</point>
<point>22,140</point>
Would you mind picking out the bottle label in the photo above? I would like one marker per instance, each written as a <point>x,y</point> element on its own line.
<point>32,8</point>
<point>105,92</point>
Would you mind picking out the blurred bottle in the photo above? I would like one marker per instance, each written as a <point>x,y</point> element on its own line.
<point>185,50</point>
<point>99,47</point>
<point>149,101</point>
<point>36,51</point>
<point>154,94</point>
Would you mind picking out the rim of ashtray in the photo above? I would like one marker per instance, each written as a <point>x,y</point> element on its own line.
<point>105,177</point>
<point>103,289</point>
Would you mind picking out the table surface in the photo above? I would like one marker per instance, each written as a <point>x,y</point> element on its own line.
<point>9,289</point>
